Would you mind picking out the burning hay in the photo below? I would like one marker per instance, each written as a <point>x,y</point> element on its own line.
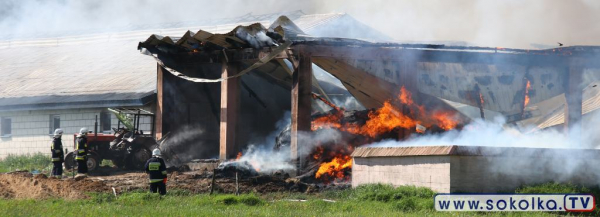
<point>329,161</point>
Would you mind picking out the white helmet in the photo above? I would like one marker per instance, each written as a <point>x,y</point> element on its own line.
<point>58,133</point>
<point>156,152</point>
<point>83,131</point>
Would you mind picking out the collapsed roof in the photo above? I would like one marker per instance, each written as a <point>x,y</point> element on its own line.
<point>513,82</point>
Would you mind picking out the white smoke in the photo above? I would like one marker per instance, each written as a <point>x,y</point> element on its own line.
<point>510,23</point>
<point>266,159</point>
<point>498,133</point>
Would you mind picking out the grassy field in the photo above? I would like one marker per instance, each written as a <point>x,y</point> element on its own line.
<point>35,162</point>
<point>370,200</point>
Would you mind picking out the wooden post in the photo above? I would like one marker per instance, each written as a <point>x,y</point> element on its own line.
<point>574,96</point>
<point>212,182</point>
<point>301,105</point>
<point>158,114</point>
<point>230,108</point>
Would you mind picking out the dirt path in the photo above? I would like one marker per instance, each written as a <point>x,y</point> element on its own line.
<point>24,185</point>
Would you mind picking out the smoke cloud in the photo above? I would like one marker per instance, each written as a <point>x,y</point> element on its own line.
<point>265,158</point>
<point>497,133</point>
<point>511,23</point>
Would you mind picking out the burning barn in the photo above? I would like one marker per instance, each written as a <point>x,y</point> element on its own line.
<point>233,88</point>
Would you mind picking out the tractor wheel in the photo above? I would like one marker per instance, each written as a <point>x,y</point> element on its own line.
<point>93,162</point>
<point>70,161</point>
<point>137,159</point>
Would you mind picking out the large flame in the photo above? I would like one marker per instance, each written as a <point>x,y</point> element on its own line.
<point>380,121</point>
<point>526,101</point>
<point>388,117</point>
<point>335,168</point>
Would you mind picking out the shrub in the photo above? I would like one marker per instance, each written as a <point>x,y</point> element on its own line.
<point>374,192</point>
<point>251,200</point>
<point>406,204</point>
<point>226,199</point>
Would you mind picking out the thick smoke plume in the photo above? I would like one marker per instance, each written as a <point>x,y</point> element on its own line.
<point>498,133</point>
<point>510,23</point>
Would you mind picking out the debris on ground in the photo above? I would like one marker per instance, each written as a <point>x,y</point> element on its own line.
<point>24,185</point>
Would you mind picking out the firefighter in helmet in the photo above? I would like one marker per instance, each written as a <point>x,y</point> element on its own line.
<point>82,151</point>
<point>58,155</point>
<point>157,170</point>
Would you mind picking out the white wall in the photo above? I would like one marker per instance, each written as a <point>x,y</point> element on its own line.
<point>422,171</point>
<point>30,129</point>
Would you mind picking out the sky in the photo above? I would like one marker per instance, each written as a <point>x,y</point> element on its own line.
<point>506,23</point>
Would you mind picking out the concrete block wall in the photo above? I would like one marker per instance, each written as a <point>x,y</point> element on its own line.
<point>31,129</point>
<point>423,171</point>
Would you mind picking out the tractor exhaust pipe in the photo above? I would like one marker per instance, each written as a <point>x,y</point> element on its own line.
<point>96,127</point>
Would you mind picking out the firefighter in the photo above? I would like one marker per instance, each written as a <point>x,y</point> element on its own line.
<point>58,155</point>
<point>157,171</point>
<point>82,151</point>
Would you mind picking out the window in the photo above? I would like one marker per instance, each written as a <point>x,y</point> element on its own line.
<point>105,121</point>
<point>54,123</point>
<point>6,126</point>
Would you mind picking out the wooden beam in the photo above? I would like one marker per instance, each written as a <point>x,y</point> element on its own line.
<point>574,96</point>
<point>455,56</point>
<point>230,109</point>
<point>158,114</point>
<point>301,105</point>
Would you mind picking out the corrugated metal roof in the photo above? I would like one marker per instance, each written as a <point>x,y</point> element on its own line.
<point>402,151</point>
<point>38,73</point>
<point>367,152</point>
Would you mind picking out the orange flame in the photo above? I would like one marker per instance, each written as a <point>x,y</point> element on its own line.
<point>319,153</point>
<point>406,99</point>
<point>481,99</point>
<point>239,155</point>
<point>445,120</point>
<point>527,87</point>
<point>387,118</point>
<point>405,96</point>
<point>335,168</point>
<point>380,121</point>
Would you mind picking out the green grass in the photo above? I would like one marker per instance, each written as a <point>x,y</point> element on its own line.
<point>38,161</point>
<point>107,163</point>
<point>368,200</point>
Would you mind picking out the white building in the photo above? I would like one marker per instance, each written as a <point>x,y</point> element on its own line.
<point>65,83</point>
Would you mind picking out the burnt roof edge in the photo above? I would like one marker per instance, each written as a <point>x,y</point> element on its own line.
<point>147,98</point>
<point>457,150</point>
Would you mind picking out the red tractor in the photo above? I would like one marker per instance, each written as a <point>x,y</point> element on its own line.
<point>128,147</point>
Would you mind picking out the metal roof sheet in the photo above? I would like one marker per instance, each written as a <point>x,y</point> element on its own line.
<point>367,152</point>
